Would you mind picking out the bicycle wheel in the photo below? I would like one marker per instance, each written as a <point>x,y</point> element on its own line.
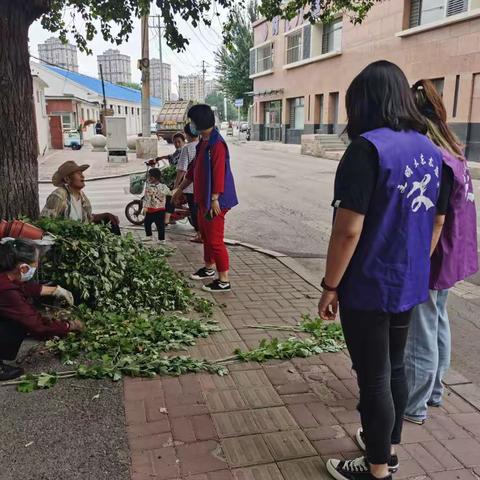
<point>133,212</point>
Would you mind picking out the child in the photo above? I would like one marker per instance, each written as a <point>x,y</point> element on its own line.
<point>154,205</point>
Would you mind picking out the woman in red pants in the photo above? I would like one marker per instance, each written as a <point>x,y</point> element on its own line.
<point>214,193</point>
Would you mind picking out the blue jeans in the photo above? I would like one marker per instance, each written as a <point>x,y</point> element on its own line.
<point>427,354</point>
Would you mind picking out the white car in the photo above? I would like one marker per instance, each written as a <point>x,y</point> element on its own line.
<point>224,125</point>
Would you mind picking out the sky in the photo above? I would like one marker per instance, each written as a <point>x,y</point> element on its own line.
<point>204,41</point>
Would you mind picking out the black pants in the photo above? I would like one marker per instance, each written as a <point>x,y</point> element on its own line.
<point>114,227</point>
<point>192,206</point>
<point>11,337</point>
<point>376,342</point>
<point>157,218</point>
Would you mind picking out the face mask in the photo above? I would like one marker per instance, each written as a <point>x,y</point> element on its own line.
<point>193,129</point>
<point>29,274</point>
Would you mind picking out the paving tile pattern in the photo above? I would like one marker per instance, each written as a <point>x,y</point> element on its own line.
<point>280,420</point>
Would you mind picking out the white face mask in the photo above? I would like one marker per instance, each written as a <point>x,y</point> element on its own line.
<point>28,275</point>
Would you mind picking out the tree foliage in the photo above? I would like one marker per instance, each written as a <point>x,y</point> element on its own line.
<point>216,99</point>
<point>233,58</point>
<point>135,86</point>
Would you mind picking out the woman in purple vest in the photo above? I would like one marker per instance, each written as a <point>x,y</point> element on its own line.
<point>454,258</point>
<point>386,190</point>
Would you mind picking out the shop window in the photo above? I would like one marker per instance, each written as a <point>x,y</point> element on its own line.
<point>261,59</point>
<point>297,113</point>
<point>332,36</point>
<point>427,11</point>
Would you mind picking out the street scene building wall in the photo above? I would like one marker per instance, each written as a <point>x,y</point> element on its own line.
<point>116,66</point>
<point>301,71</point>
<point>73,98</point>
<point>53,51</point>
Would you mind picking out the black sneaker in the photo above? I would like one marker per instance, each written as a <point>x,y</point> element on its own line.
<point>9,372</point>
<point>217,286</point>
<point>357,469</point>
<point>393,463</point>
<point>202,274</point>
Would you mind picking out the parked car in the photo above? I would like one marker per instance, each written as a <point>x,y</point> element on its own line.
<point>244,126</point>
<point>224,125</point>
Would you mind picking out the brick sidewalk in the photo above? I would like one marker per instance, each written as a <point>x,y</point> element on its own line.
<point>280,420</point>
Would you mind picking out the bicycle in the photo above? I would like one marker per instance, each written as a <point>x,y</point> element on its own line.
<point>134,209</point>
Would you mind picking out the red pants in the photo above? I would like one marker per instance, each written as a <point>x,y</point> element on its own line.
<point>214,249</point>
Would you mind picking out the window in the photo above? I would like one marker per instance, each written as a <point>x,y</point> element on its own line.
<point>83,114</point>
<point>427,11</point>
<point>455,97</point>
<point>261,59</point>
<point>294,47</point>
<point>297,113</point>
<point>332,36</point>
<point>133,111</point>
<point>138,111</point>
<point>66,121</point>
<point>119,109</point>
<point>438,83</point>
<point>126,110</point>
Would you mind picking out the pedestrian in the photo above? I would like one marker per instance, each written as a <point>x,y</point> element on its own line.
<point>179,143</point>
<point>454,258</point>
<point>18,317</point>
<point>154,205</point>
<point>69,202</point>
<point>214,192</point>
<point>386,188</point>
<point>99,128</point>
<point>187,156</point>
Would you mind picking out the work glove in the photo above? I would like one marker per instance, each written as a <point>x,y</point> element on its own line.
<point>61,292</point>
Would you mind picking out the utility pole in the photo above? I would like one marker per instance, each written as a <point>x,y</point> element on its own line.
<point>225,108</point>
<point>204,71</point>
<point>104,123</point>
<point>145,67</point>
<point>159,27</point>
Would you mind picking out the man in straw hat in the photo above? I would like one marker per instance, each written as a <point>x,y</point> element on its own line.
<point>69,202</point>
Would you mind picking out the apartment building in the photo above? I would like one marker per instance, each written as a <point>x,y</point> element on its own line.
<point>116,66</point>
<point>53,51</point>
<point>191,87</point>
<point>156,79</point>
<point>301,71</point>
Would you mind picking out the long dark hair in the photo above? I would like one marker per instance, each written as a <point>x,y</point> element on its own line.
<point>431,106</point>
<point>16,252</point>
<point>379,96</point>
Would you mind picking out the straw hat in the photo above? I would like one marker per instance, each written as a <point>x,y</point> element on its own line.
<point>65,170</point>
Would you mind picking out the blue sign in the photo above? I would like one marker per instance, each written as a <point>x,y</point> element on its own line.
<point>239,102</point>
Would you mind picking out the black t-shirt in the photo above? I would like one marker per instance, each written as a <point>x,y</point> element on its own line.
<point>357,174</point>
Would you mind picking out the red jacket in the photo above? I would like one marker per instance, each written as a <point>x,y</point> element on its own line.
<point>15,307</point>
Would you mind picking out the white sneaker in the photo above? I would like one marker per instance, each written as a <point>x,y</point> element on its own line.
<point>147,240</point>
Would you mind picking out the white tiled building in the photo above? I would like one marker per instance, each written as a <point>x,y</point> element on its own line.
<point>55,52</point>
<point>156,80</point>
<point>116,66</point>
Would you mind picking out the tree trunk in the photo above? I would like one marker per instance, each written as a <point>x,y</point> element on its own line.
<point>18,130</point>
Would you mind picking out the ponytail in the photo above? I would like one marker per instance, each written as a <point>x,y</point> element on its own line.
<point>16,252</point>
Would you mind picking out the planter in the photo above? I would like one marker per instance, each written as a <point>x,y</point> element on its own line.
<point>4,228</point>
<point>31,232</point>
<point>19,229</point>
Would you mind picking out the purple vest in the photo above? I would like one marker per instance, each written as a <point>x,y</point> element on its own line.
<point>455,257</point>
<point>228,199</point>
<point>390,267</point>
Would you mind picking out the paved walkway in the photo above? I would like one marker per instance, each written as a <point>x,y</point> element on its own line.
<point>280,420</point>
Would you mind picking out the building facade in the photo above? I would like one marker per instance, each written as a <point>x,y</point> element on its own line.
<point>53,51</point>
<point>191,87</point>
<point>210,87</point>
<point>116,66</point>
<point>73,100</point>
<point>302,71</point>
<point>156,80</point>
<point>41,117</point>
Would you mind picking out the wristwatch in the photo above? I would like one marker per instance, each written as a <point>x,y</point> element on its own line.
<point>326,287</point>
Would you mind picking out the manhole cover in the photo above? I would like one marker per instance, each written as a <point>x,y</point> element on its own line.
<point>263,176</point>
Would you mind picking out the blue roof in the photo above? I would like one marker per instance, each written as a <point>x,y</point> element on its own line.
<point>111,89</point>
